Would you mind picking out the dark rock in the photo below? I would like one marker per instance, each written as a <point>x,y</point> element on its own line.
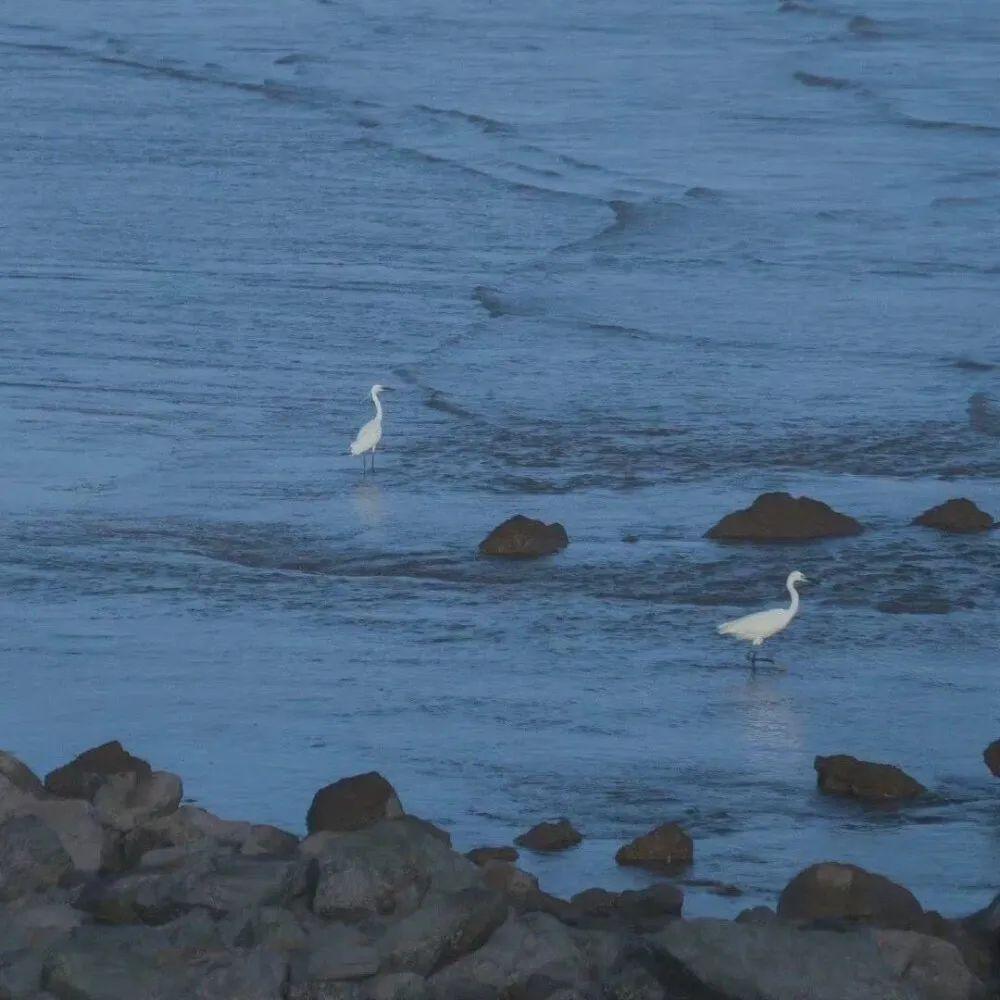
<point>124,801</point>
<point>341,952</point>
<point>639,909</point>
<point>667,846</point>
<point>839,892</point>
<point>757,915</point>
<point>520,887</point>
<point>269,927</point>
<point>520,537</point>
<point>958,516</point>
<point>446,927</point>
<point>780,517</point>
<point>32,858</point>
<point>263,840</point>
<point>19,774</point>
<point>481,855</point>
<point>549,837</point>
<point>978,950</point>
<point>991,755</point>
<point>353,803</point>
<point>386,869</point>
<point>83,776</point>
<point>218,884</point>
<point>91,847</point>
<point>841,774</point>
<point>741,961</point>
<point>533,945</point>
<point>129,963</point>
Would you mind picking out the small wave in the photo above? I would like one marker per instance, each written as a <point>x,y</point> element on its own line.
<point>971,365</point>
<point>483,122</point>
<point>962,128</point>
<point>295,58</point>
<point>827,82</point>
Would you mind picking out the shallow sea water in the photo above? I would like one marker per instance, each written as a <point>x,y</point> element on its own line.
<point>626,266</point>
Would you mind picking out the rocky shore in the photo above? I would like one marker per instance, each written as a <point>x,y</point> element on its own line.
<point>112,889</point>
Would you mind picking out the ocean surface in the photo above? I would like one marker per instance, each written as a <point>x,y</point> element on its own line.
<point>626,266</point>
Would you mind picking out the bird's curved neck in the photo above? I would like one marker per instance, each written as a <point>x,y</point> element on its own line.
<point>794,606</point>
<point>378,406</point>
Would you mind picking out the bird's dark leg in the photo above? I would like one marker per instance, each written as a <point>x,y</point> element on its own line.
<point>364,463</point>
<point>373,459</point>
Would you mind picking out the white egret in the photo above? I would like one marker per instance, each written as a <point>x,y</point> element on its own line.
<point>370,435</point>
<point>762,625</point>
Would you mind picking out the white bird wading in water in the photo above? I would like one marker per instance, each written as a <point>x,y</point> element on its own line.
<point>762,625</point>
<point>370,435</point>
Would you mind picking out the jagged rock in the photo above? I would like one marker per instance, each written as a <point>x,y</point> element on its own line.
<point>353,803</point>
<point>521,537</point>
<point>842,774</point>
<point>90,846</point>
<point>959,516</point>
<point>124,801</point>
<point>533,945</point>
<point>507,878</point>
<point>778,962</point>
<point>84,775</point>
<point>780,517</point>
<point>32,858</point>
<point>482,855</point>
<point>834,891</point>
<point>387,868</point>
<point>269,841</point>
<point>639,909</point>
<point>20,775</point>
<point>991,755</point>
<point>756,915</point>
<point>218,884</point>
<point>340,953</point>
<point>667,846</point>
<point>547,837</point>
<point>447,926</point>
<point>269,927</point>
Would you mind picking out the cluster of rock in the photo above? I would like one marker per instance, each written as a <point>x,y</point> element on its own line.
<point>772,517</point>
<point>112,889</point>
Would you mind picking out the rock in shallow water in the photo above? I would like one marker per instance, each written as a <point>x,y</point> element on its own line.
<point>958,516</point>
<point>991,755</point>
<point>666,846</point>
<point>353,803</point>
<point>834,891</point>
<point>780,517</point>
<point>547,837</point>
<point>521,537</point>
<point>841,774</point>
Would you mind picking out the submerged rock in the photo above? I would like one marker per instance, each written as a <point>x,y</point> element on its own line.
<point>991,755</point>
<point>834,891</point>
<point>780,517</point>
<point>483,855</point>
<point>664,847</point>
<point>841,774</point>
<point>353,803</point>
<point>521,537</point>
<point>550,836</point>
<point>959,516</point>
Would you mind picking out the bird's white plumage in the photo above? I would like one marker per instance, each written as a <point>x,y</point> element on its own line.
<point>371,433</point>
<point>762,625</point>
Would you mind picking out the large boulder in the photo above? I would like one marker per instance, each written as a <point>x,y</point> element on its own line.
<point>126,963</point>
<point>839,892</point>
<point>547,837</point>
<point>195,828</point>
<point>218,884</point>
<point>991,756</point>
<point>740,961</point>
<point>959,516</point>
<point>780,517</point>
<point>386,869</point>
<point>521,537</point>
<point>526,949</point>
<point>353,803</point>
<point>84,775</point>
<point>90,845</point>
<point>446,927</point>
<point>667,846</point>
<point>32,858</point>
<point>841,774</point>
